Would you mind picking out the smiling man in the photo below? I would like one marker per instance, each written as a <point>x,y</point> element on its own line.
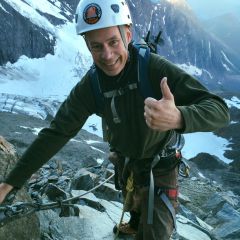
<point>108,50</point>
<point>144,132</point>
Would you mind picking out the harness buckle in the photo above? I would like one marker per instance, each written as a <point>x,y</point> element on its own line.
<point>184,169</point>
<point>121,91</point>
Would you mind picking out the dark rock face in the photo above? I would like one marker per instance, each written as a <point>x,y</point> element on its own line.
<point>209,162</point>
<point>19,36</point>
<point>215,169</point>
<point>14,230</point>
<point>185,41</point>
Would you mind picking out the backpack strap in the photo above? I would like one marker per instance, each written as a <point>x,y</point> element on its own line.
<point>95,84</point>
<point>143,82</point>
<point>143,66</point>
<point>100,96</point>
<point>113,94</point>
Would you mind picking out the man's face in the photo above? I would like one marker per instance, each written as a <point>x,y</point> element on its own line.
<point>107,49</point>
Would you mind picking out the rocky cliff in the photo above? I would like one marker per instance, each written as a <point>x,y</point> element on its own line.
<point>20,229</point>
<point>208,208</point>
<point>185,41</point>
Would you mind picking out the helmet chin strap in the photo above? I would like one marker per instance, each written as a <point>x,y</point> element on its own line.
<point>123,36</point>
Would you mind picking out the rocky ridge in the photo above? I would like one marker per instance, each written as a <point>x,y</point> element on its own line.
<point>208,209</point>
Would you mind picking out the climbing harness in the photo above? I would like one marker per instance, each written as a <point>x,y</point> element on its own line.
<point>9,213</point>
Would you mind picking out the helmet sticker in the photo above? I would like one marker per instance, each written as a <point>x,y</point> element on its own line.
<point>92,13</point>
<point>115,8</point>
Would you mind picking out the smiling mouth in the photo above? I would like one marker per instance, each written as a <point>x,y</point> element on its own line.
<point>110,64</point>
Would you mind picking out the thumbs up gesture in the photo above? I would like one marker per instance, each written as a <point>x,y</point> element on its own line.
<point>163,115</point>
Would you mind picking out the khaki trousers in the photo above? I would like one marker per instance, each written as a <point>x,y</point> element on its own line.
<point>163,224</point>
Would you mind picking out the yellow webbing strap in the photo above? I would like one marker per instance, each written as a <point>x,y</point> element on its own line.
<point>129,189</point>
<point>129,186</point>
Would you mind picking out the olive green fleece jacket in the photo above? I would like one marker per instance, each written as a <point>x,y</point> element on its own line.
<point>200,109</point>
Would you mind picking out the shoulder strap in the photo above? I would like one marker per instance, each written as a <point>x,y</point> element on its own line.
<point>95,84</point>
<point>143,66</point>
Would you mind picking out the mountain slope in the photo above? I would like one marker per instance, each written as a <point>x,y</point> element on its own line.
<point>227,28</point>
<point>41,29</point>
<point>31,75</point>
<point>186,42</point>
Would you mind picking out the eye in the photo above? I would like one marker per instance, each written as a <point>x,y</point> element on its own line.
<point>96,47</point>
<point>114,43</point>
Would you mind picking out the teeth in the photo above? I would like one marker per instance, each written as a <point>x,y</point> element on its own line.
<point>111,64</point>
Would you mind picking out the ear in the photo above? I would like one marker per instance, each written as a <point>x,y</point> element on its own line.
<point>128,34</point>
<point>86,41</point>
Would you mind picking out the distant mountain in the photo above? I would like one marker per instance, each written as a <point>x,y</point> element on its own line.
<point>35,29</point>
<point>187,43</point>
<point>226,28</point>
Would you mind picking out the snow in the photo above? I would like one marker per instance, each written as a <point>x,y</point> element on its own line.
<point>207,72</point>
<point>74,140</point>
<point>206,142</point>
<point>195,143</point>
<point>150,22</point>
<point>27,11</point>
<point>100,160</point>
<point>1,6</point>
<point>35,131</point>
<point>190,69</point>
<point>96,149</point>
<point>226,67</point>
<point>164,20</point>
<point>132,3</point>
<point>91,141</point>
<point>97,122</point>
<point>47,7</point>
<point>209,49</point>
<point>201,175</point>
<point>41,77</point>
<point>234,102</point>
<point>226,59</point>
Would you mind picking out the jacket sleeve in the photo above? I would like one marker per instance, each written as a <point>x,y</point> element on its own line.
<point>201,110</point>
<point>69,119</point>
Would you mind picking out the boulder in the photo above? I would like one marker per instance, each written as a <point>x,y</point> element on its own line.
<point>223,216</point>
<point>208,162</point>
<point>83,180</point>
<point>26,228</point>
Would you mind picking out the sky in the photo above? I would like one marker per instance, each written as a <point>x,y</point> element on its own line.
<point>206,9</point>
<point>31,77</point>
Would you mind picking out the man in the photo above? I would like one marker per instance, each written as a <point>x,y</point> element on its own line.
<point>145,131</point>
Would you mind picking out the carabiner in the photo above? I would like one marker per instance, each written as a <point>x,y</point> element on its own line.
<point>184,168</point>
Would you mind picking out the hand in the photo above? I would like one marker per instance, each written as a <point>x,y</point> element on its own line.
<point>4,190</point>
<point>163,115</point>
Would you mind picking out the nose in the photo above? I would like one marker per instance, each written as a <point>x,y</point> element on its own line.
<point>106,53</point>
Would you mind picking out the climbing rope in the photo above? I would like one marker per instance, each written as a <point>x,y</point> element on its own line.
<point>9,213</point>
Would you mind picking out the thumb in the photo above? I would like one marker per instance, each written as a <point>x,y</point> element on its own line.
<point>166,93</point>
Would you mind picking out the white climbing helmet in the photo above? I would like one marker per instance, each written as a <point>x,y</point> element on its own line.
<point>96,14</point>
